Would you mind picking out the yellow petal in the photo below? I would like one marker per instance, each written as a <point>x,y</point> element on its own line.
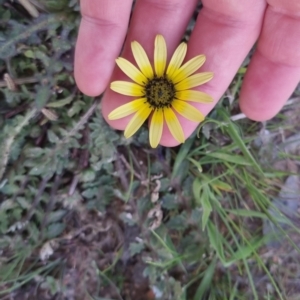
<point>177,59</point>
<point>174,125</point>
<point>188,111</point>
<point>188,68</point>
<point>156,127</point>
<point>194,80</point>
<point>127,88</point>
<point>142,59</point>
<point>194,96</point>
<point>127,109</point>
<point>160,55</point>
<point>137,120</point>
<point>131,71</point>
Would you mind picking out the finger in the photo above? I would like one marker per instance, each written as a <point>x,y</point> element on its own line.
<point>101,35</point>
<point>225,32</point>
<point>274,71</point>
<point>150,17</point>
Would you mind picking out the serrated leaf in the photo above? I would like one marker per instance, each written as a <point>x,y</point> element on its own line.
<point>29,53</point>
<point>136,248</point>
<point>178,222</point>
<point>169,202</point>
<point>38,170</point>
<point>90,193</point>
<point>42,96</point>
<point>61,103</point>
<point>34,152</point>
<point>88,175</point>
<point>56,216</point>
<point>55,229</point>
<point>52,137</point>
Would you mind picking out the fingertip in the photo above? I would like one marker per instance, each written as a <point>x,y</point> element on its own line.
<point>255,114</point>
<point>169,143</point>
<point>91,89</point>
<point>266,87</point>
<point>94,62</point>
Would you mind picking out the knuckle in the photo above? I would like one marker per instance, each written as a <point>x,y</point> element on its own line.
<point>291,6</point>
<point>281,43</point>
<point>99,21</point>
<point>166,5</point>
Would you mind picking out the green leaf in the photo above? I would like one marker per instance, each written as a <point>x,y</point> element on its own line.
<point>61,103</point>
<point>34,152</point>
<point>215,239</point>
<point>206,204</point>
<point>244,251</point>
<point>136,248</point>
<point>56,216</point>
<point>248,213</point>
<point>181,157</point>
<point>234,134</point>
<point>55,230</point>
<point>178,222</point>
<point>202,195</point>
<point>52,137</point>
<point>169,202</point>
<point>29,53</point>
<point>42,96</point>
<point>233,158</point>
<point>206,281</point>
<point>197,189</point>
<point>196,164</point>
<point>88,175</point>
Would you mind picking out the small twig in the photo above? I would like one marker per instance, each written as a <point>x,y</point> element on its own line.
<point>39,4</point>
<point>137,165</point>
<point>19,81</point>
<point>30,8</point>
<point>10,82</point>
<point>128,166</point>
<point>16,111</point>
<point>120,169</point>
<point>37,198</point>
<point>82,121</point>
<point>73,185</point>
<point>51,203</point>
<point>238,117</point>
<point>21,189</point>
<point>76,128</point>
<point>84,153</point>
<point>39,140</point>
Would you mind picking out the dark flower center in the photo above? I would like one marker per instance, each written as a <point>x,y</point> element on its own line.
<point>160,92</point>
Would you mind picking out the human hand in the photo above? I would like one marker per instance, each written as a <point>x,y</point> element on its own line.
<point>225,32</point>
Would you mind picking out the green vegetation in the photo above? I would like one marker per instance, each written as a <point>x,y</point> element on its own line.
<point>87,214</point>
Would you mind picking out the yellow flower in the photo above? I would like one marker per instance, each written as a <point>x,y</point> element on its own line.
<point>162,91</point>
